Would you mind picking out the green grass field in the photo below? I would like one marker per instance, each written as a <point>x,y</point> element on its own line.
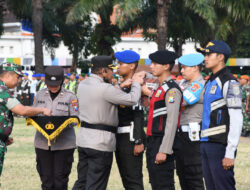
<point>19,172</point>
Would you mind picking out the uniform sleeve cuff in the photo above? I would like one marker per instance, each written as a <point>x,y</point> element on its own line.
<point>230,154</point>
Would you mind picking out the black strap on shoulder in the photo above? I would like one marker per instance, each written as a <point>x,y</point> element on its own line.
<point>172,84</point>
<point>108,128</point>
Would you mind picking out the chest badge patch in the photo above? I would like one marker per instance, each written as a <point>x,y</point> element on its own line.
<point>236,89</point>
<point>158,93</point>
<point>213,89</point>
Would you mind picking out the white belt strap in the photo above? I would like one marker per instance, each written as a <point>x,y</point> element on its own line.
<point>127,129</point>
<point>218,104</point>
<point>213,131</point>
<point>123,130</point>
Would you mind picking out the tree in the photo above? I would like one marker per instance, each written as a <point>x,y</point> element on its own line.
<point>162,21</point>
<point>75,35</point>
<point>37,23</point>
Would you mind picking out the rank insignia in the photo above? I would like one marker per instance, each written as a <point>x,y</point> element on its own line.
<point>213,89</point>
<point>158,93</point>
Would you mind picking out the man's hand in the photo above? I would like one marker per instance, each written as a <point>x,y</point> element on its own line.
<point>160,158</point>
<point>227,163</point>
<point>138,149</point>
<point>138,78</point>
<point>145,90</point>
<point>9,141</point>
<point>127,83</point>
<point>46,112</point>
<point>141,74</point>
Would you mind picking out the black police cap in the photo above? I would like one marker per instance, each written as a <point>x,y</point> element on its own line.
<point>102,61</point>
<point>163,57</point>
<point>54,76</point>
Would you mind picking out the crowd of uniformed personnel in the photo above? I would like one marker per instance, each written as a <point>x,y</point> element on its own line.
<point>194,122</point>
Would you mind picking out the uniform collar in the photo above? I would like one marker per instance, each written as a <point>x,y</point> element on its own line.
<point>169,78</point>
<point>97,77</point>
<point>213,76</point>
<point>60,93</point>
<point>2,83</point>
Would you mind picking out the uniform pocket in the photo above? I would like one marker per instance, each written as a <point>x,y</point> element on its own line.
<point>62,109</point>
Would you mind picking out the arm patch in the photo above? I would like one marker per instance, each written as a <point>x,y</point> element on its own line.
<point>192,94</point>
<point>234,94</point>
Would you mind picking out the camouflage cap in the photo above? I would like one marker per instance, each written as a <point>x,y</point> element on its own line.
<point>12,67</point>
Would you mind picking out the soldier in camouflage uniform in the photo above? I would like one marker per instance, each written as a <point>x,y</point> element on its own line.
<point>245,95</point>
<point>9,76</point>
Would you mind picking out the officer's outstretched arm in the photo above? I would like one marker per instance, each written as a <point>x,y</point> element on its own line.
<point>117,96</point>
<point>30,111</point>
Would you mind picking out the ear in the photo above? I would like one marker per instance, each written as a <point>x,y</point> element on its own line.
<point>166,67</point>
<point>221,57</point>
<point>132,66</point>
<point>102,71</point>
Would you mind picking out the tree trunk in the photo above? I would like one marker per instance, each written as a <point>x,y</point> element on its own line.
<point>37,23</point>
<point>162,19</point>
<point>75,59</point>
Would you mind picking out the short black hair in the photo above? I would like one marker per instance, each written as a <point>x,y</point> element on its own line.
<point>171,65</point>
<point>136,65</point>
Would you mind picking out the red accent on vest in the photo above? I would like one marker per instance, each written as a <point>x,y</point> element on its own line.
<point>156,125</point>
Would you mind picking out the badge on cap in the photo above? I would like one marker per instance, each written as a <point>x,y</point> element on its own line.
<point>213,89</point>
<point>53,78</point>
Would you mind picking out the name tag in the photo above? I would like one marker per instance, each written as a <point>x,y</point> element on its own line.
<point>158,93</point>
<point>41,102</point>
<point>213,89</point>
<point>63,103</point>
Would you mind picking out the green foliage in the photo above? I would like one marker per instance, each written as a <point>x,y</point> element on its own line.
<point>242,44</point>
<point>105,34</point>
<point>84,65</point>
<point>74,35</point>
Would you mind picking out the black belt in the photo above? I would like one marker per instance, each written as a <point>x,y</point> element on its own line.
<point>99,127</point>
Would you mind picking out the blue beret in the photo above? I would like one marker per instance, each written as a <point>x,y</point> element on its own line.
<point>38,75</point>
<point>216,46</point>
<point>68,74</point>
<point>163,57</point>
<point>77,76</point>
<point>42,75</point>
<point>34,75</point>
<point>26,74</point>
<point>127,56</point>
<point>191,59</point>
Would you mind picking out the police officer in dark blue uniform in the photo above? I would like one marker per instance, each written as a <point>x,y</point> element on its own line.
<point>222,119</point>
<point>130,134</point>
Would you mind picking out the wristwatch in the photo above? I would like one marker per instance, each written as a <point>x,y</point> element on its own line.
<point>138,141</point>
